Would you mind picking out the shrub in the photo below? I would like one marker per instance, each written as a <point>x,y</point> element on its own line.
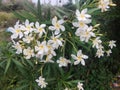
<point>7,19</point>
<point>58,53</point>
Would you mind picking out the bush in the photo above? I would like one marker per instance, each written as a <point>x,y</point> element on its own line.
<point>51,53</point>
<point>7,19</point>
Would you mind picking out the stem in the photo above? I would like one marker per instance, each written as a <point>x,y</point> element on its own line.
<point>64,49</point>
<point>72,44</point>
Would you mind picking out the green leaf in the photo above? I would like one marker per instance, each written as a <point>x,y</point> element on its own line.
<point>75,81</point>
<point>20,67</point>
<point>58,14</point>
<point>7,66</point>
<point>22,87</point>
<point>17,14</point>
<point>77,4</point>
<point>39,11</point>
<point>31,8</point>
<point>1,63</point>
<point>30,63</point>
<point>18,63</point>
<point>49,14</point>
<point>92,10</point>
<point>61,11</point>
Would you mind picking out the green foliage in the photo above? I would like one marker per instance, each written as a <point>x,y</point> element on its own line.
<point>33,13</point>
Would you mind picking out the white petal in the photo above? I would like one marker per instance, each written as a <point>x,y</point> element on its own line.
<point>61,21</point>
<point>84,11</point>
<point>77,12</point>
<point>88,21</point>
<point>51,27</point>
<point>83,62</point>
<point>37,24</point>
<point>57,32</point>
<point>75,24</point>
<point>27,22</point>
<point>11,29</point>
<point>59,42</point>
<point>62,28</point>
<point>87,15</point>
<point>43,25</point>
<point>85,56</point>
<point>76,62</point>
<point>74,57</point>
<point>79,53</point>
<point>14,36</point>
<point>54,20</point>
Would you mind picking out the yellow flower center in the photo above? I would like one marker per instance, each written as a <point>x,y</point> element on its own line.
<point>62,60</point>
<point>40,29</point>
<point>57,25</point>
<point>81,24</point>
<point>41,46</point>
<point>28,27</point>
<point>17,31</point>
<point>55,39</point>
<point>79,58</point>
<point>82,16</point>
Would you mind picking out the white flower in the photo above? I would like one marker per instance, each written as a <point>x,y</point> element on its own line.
<point>79,32</point>
<point>48,59</point>
<point>41,48</point>
<point>112,44</point>
<point>50,50</point>
<point>28,38</point>
<point>40,28</point>
<point>16,31</point>
<point>108,52</point>
<point>96,42</point>
<point>28,53</point>
<point>80,86</point>
<point>63,62</point>
<point>99,53</point>
<point>103,5</point>
<point>18,46</point>
<point>79,58</point>
<point>41,82</point>
<point>81,24</point>
<point>87,34</point>
<point>55,41</point>
<point>100,46</point>
<point>28,28</point>
<point>82,15</point>
<point>57,25</point>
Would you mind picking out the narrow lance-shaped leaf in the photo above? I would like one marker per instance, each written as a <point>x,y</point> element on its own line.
<point>8,65</point>
<point>39,11</point>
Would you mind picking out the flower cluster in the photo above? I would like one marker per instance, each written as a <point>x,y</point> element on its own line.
<point>87,33</point>
<point>40,41</point>
<point>104,5</point>
<point>30,40</point>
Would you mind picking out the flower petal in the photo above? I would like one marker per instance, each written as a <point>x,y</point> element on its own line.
<point>83,62</point>
<point>54,20</point>
<point>37,24</point>
<point>61,21</point>
<point>62,28</point>
<point>84,11</point>
<point>51,27</point>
